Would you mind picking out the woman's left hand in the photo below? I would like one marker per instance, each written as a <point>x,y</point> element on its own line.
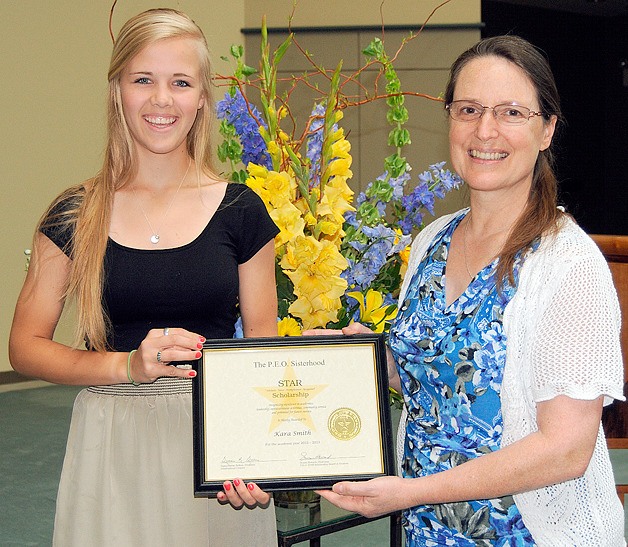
<point>239,493</point>
<point>371,498</point>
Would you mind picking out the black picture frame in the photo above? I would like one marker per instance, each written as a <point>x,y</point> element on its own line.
<point>227,404</point>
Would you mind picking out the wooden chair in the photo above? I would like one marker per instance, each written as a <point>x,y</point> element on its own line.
<point>615,416</point>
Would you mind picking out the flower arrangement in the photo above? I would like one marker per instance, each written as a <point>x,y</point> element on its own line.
<point>337,259</point>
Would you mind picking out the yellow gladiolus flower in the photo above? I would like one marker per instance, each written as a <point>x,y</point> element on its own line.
<point>309,219</point>
<point>314,268</point>
<point>340,184</point>
<point>312,314</point>
<point>281,187</point>
<point>330,261</point>
<point>322,255</point>
<point>337,135</point>
<point>404,255</point>
<point>372,308</point>
<point>328,227</point>
<point>275,152</point>
<point>302,249</point>
<point>309,282</point>
<point>289,221</point>
<point>288,326</point>
<point>340,167</point>
<point>326,302</point>
<point>258,185</point>
<point>336,201</point>
<point>341,148</point>
<point>255,170</point>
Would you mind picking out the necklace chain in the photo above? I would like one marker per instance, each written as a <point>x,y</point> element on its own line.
<point>467,221</point>
<point>155,237</point>
<point>464,247</point>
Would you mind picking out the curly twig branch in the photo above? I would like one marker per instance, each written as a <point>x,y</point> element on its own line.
<point>113,7</point>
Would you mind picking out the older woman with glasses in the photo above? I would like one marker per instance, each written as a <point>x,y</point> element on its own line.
<point>506,344</point>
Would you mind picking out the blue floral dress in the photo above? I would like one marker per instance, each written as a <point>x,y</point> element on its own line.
<point>451,360</point>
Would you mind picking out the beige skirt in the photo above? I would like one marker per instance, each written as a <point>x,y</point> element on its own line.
<point>127,478</point>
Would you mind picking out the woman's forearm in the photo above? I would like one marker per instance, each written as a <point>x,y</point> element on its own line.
<point>559,451</point>
<point>53,362</point>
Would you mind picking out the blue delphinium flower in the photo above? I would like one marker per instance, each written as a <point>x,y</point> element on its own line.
<point>383,191</point>
<point>373,250</point>
<point>351,218</point>
<point>361,273</point>
<point>433,183</point>
<point>398,184</point>
<point>441,180</point>
<point>448,180</point>
<point>414,216</point>
<point>315,143</point>
<point>246,120</point>
<point>424,191</point>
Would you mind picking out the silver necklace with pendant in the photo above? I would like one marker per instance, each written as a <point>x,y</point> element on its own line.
<point>154,238</point>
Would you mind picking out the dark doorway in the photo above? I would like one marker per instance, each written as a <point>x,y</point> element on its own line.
<point>588,54</point>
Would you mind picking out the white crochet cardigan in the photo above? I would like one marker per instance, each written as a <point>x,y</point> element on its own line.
<point>562,329</point>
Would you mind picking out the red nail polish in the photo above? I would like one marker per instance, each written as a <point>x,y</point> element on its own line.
<point>198,354</point>
<point>199,345</point>
<point>250,486</point>
<point>236,482</point>
<point>227,486</point>
<point>192,374</point>
<point>202,339</point>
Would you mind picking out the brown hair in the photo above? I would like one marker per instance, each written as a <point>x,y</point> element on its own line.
<point>541,214</point>
<point>88,211</point>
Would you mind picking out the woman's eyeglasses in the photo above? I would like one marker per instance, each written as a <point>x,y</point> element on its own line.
<point>506,114</point>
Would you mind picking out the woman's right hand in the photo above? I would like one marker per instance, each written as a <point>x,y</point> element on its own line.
<point>161,347</point>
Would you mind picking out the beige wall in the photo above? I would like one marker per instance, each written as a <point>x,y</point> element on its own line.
<point>332,13</point>
<point>54,62</point>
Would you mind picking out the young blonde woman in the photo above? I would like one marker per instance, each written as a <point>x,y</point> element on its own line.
<point>159,254</point>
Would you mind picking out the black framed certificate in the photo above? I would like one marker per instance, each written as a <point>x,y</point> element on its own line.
<point>292,412</point>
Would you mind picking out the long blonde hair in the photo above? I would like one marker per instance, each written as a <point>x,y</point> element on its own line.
<point>89,211</point>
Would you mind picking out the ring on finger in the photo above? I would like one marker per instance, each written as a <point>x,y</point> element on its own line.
<point>166,331</point>
<point>159,356</point>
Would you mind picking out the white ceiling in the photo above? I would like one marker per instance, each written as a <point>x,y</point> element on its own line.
<point>603,8</point>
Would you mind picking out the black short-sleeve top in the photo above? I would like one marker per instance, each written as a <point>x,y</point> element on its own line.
<point>194,286</point>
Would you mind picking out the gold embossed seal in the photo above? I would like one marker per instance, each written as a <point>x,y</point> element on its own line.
<point>344,424</point>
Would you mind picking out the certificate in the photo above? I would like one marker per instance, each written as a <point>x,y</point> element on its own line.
<point>292,412</point>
